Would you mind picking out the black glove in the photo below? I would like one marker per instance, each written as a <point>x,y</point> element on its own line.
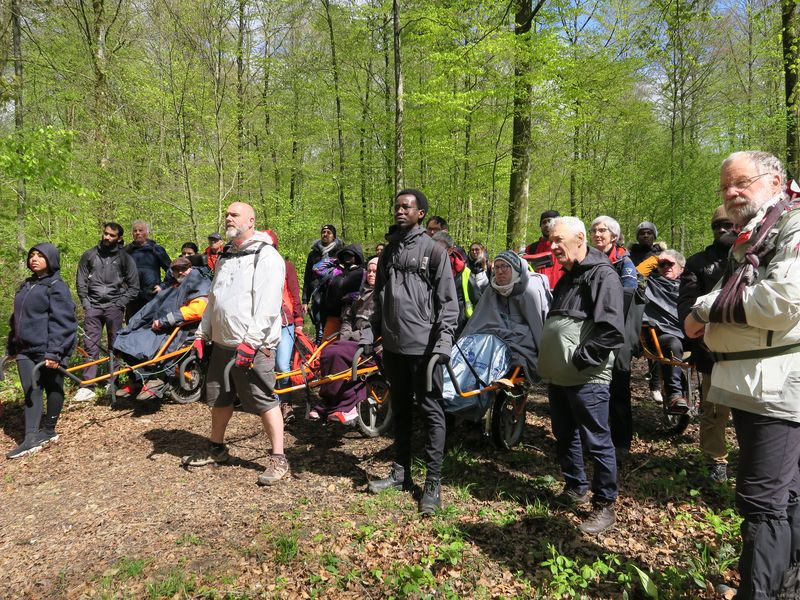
<point>443,358</point>
<point>368,349</point>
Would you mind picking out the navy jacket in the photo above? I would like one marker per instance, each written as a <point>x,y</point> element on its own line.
<point>150,259</point>
<point>43,323</point>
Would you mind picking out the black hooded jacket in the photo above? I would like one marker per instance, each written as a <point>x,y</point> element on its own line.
<point>585,324</point>
<point>107,276</point>
<point>310,283</point>
<point>349,282</point>
<point>43,324</point>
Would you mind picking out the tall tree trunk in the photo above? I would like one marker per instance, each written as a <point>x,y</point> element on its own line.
<point>789,23</point>
<point>362,151</point>
<point>399,151</point>
<point>335,67</point>
<point>240,96</point>
<point>519,184</point>
<point>295,168</point>
<point>16,43</point>
<point>268,116</point>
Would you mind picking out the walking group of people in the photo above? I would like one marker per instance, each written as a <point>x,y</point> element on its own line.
<point>736,305</point>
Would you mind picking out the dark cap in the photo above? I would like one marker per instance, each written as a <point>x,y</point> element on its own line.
<point>180,264</point>
<point>330,227</point>
<point>549,214</point>
<point>214,236</point>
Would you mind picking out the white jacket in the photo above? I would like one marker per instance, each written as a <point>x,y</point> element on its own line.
<point>246,296</point>
<point>767,386</point>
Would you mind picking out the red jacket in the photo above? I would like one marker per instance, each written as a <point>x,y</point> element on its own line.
<point>552,273</point>
<point>292,306</point>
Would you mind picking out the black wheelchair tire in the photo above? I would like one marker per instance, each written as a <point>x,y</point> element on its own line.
<point>506,429</point>
<point>375,419</point>
<point>187,396</point>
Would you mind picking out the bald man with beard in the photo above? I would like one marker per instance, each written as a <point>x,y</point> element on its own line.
<point>243,323</point>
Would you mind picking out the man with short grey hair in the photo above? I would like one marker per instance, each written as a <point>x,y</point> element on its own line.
<point>150,259</point>
<point>584,327</point>
<point>751,324</point>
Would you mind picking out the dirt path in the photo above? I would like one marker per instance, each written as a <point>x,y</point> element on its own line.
<point>109,512</point>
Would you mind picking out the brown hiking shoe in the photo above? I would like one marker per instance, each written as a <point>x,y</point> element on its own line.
<point>277,468</point>
<point>288,412</point>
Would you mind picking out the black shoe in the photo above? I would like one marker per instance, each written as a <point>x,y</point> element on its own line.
<point>48,436</point>
<point>600,519</point>
<point>396,480</point>
<point>570,497</point>
<point>32,443</point>
<point>719,473</point>
<point>431,499</point>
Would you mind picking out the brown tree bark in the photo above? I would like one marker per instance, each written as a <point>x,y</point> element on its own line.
<point>789,24</point>
<point>16,45</point>
<point>399,150</point>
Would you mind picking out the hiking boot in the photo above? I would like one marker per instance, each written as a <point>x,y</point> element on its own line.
<point>152,390</point>
<point>84,394</point>
<point>313,415</point>
<point>288,412</point>
<point>678,406</point>
<point>126,391</point>
<point>431,499</point>
<point>32,443</point>
<point>207,457</point>
<point>396,480</point>
<point>656,396</point>
<point>277,468</point>
<point>600,519</point>
<point>570,497</point>
<point>719,473</point>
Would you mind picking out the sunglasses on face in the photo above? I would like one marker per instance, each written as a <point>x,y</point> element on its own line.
<point>666,264</point>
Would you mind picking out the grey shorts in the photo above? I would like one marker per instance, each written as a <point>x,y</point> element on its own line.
<point>254,387</point>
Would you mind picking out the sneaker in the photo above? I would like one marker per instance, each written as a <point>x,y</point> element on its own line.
<point>288,412</point>
<point>719,473</point>
<point>431,499</point>
<point>600,519</point>
<point>277,468</point>
<point>570,497</point>
<point>127,391</point>
<point>48,436</point>
<point>396,480</point>
<point>152,390</point>
<point>313,415</point>
<point>32,443</point>
<point>678,406</point>
<point>84,394</point>
<point>207,457</point>
<point>345,418</point>
<point>657,396</point>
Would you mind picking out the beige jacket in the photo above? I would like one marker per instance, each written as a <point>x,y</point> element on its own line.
<point>767,386</point>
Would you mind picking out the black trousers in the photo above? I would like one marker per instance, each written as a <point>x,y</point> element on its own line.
<point>406,376</point>
<point>95,319</point>
<point>620,416</point>
<point>768,498</point>
<point>51,382</point>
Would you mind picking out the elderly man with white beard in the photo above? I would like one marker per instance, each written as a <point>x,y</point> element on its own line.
<point>751,324</point>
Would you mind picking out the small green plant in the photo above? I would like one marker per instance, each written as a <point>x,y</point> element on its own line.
<point>286,548</point>
<point>176,582</point>
<point>189,539</point>
<point>569,576</point>
<point>410,579</point>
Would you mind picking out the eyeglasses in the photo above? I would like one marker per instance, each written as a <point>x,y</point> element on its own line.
<point>722,225</point>
<point>741,184</point>
<point>502,267</point>
<point>600,230</point>
<point>665,264</point>
<point>179,269</point>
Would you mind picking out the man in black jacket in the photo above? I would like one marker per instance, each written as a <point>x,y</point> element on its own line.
<point>584,327</point>
<point>416,312</point>
<point>107,280</point>
<point>325,247</point>
<point>703,271</point>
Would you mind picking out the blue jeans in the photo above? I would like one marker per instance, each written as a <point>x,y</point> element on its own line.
<point>579,416</point>
<point>283,354</point>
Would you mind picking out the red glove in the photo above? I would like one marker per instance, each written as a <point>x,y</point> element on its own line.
<point>245,354</point>
<point>198,347</point>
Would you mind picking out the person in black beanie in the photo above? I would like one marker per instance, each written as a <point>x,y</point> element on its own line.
<point>43,328</point>
<point>416,312</point>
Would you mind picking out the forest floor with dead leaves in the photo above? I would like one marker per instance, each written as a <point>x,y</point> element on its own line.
<point>108,512</point>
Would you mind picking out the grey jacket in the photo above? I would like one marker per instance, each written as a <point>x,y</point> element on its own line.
<point>415,307</point>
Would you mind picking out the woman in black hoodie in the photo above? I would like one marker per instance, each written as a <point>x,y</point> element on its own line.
<point>43,328</point>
